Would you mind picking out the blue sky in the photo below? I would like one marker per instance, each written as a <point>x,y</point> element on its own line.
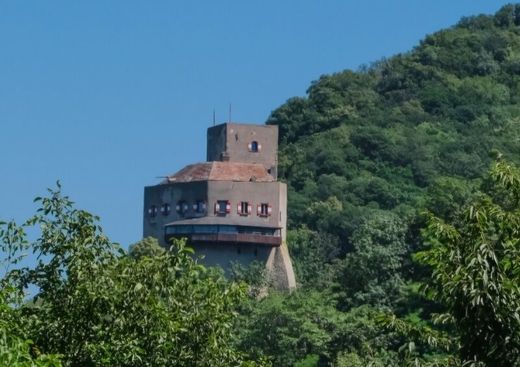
<point>107,95</point>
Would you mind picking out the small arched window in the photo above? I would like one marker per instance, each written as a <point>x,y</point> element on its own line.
<point>254,146</point>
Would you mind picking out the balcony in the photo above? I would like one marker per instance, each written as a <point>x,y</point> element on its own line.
<point>225,234</point>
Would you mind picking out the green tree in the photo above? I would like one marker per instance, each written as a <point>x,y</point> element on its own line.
<point>475,277</point>
<point>305,328</point>
<point>148,246</point>
<point>372,272</point>
<point>255,275</point>
<point>15,349</point>
<point>476,271</point>
<point>447,196</point>
<point>96,306</point>
<point>288,328</point>
<point>313,254</point>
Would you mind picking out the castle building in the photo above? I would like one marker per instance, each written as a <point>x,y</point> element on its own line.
<point>231,208</point>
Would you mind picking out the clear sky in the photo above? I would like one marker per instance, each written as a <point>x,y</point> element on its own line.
<point>107,95</point>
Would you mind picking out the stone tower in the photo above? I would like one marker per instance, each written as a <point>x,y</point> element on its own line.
<point>231,207</point>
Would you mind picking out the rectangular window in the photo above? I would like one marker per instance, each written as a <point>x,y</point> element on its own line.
<point>227,229</point>
<point>152,211</point>
<point>205,229</point>
<point>181,207</point>
<point>222,207</point>
<point>244,208</point>
<point>199,206</point>
<point>263,210</point>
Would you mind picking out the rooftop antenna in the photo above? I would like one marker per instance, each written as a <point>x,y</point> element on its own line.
<point>213,117</point>
<point>229,120</point>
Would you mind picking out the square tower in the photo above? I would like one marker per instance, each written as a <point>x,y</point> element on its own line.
<point>231,209</point>
<point>232,142</point>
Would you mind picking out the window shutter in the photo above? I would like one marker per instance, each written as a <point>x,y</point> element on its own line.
<point>249,209</point>
<point>228,207</point>
<point>259,209</point>
<point>259,147</point>
<point>239,208</point>
<point>194,206</point>
<point>216,207</point>
<point>250,147</point>
<point>178,207</point>
<point>269,210</point>
<point>203,204</point>
<point>185,207</point>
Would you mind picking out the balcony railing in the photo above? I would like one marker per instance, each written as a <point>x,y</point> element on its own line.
<point>266,237</point>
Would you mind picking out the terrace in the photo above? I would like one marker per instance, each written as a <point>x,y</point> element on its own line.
<point>223,233</point>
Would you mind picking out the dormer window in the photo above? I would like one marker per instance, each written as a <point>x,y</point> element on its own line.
<point>152,211</point>
<point>254,146</point>
<point>181,207</point>
<point>165,209</point>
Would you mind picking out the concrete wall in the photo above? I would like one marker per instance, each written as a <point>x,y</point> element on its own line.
<point>282,200</point>
<point>216,143</point>
<point>255,193</point>
<point>280,269</point>
<point>171,194</point>
<point>252,192</point>
<point>230,142</point>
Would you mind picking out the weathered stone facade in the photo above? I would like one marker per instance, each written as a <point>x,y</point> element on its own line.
<point>231,208</point>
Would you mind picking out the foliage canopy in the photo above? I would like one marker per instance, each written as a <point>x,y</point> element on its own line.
<point>97,306</point>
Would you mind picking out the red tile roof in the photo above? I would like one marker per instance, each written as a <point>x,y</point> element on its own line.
<point>221,171</point>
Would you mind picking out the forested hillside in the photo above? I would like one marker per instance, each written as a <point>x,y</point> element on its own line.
<point>412,132</point>
<point>393,134</point>
<point>365,154</point>
<point>404,210</point>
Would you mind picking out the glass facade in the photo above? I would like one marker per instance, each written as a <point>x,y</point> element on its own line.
<point>213,229</point>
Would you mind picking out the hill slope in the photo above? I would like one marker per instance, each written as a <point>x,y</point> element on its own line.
<point>393,135</point>
<point>363,154</point>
